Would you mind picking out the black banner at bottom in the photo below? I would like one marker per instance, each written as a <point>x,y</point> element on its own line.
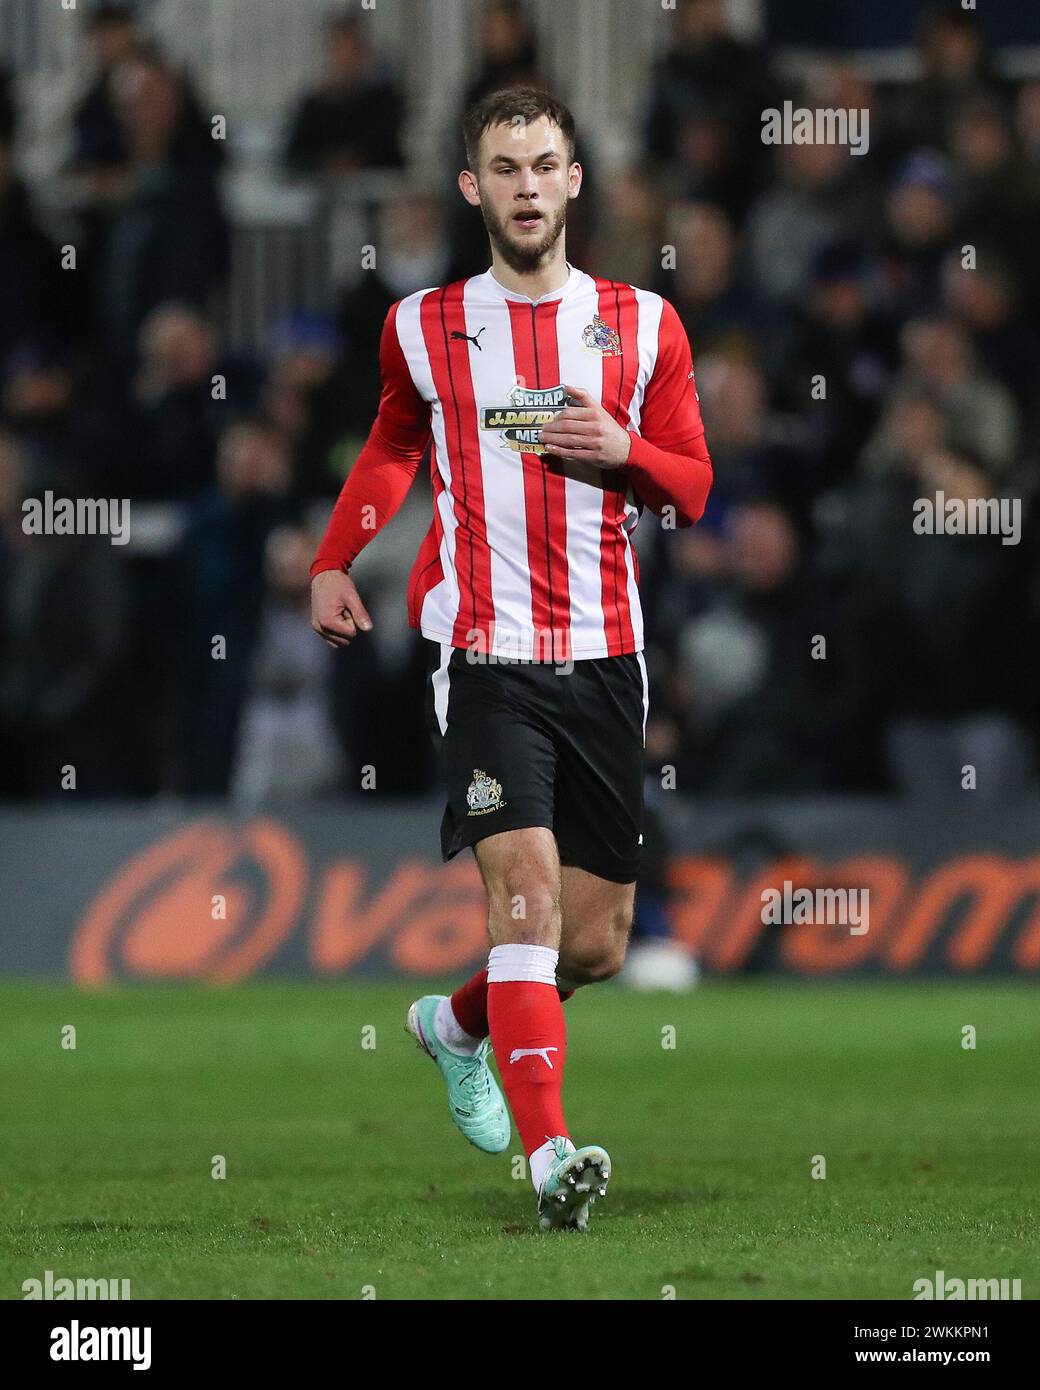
<point>175,1338</point>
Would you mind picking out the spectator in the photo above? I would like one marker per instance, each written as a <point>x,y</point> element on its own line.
<point>706,99</point>
<point>759,710</point>
<point>222,563</point>
<point>311,399</point>
<point>37,302</point>
<point>184,391</point>
<point>954,68</point>
<point>99,147</point>
<point>838,340</point>
<point>166,239</point>
<point>507,52</point>
<point>287,747</point>
<point>986,300</point>
<point>979,413</point>
<point>918,233</point>
<point>102,154</point>
<point>413,253</point>
<point>353,119</point>
<point>633,227</point>
<point>712,294</point>
<point>65,436</point>
<point>60,659</point>
<point>752,456</point>
<point>999,192</point>
<point>912,424</point>
<point>946,619</point>
<point>819,197</point>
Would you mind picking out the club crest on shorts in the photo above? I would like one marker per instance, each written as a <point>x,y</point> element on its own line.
<point>600,337</point>
<point>484,794</point>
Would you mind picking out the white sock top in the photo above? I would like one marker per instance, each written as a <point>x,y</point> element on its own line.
<point>516,961</point>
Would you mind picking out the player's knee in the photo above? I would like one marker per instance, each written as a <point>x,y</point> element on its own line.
<point>595,958</point>
<point>609,963</point>
<point>591,967</point>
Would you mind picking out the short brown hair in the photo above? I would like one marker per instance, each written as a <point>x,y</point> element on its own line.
<point>504,106</point>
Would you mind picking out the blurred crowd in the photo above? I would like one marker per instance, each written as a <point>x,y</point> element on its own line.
<point>866,332</point>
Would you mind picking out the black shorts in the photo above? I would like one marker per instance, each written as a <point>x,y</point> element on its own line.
<point>526,743</point>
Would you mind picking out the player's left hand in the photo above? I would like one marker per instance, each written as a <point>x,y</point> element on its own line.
<point>586,433</point>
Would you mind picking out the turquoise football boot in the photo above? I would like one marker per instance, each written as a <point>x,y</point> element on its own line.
<point>571,1185</point>
<point>474,1099</point>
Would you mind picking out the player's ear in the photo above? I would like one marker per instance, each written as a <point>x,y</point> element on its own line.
<point>469,188</point>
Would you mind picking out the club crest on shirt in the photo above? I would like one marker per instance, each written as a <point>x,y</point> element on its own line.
<point>600,337</point>
<point>484,794</point>
<point>522,419</point>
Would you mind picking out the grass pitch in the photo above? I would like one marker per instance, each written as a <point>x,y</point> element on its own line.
<point>345,1174</point>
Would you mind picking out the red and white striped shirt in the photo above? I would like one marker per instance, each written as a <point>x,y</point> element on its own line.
<point>528,556</point>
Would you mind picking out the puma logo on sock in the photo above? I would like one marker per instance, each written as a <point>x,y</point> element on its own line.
<point>543,1052</point>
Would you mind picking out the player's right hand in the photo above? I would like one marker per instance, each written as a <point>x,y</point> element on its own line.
<point>337,613</point>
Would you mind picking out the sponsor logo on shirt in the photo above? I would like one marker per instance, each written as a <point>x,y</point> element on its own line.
<point>522,419</point>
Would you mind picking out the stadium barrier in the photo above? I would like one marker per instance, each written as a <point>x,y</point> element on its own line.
<point>100,895</point>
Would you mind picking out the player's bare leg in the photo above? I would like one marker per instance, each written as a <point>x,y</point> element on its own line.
<point>596,921</point>
<point>522,875</point>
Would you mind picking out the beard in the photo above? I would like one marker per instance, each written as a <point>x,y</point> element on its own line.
<point>528,255</point>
